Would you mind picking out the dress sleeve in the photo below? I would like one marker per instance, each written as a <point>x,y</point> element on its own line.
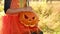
<point>6,5</point>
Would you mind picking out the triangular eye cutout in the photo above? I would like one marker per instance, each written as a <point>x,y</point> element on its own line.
<point>33,18</point>
<point>26,17</point>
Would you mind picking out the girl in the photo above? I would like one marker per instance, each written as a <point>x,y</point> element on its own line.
<point>10,20</point>
<point>11,24</point>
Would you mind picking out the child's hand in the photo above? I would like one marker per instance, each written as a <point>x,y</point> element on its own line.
<point>27,9</point>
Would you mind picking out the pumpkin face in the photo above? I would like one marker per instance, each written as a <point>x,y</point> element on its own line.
<point>28,18</point>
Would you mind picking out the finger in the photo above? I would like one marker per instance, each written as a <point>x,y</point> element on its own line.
<point>29,7</point>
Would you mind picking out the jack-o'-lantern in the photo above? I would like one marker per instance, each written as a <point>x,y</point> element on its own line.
<point>28,18</point>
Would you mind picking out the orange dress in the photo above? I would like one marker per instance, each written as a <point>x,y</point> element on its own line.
<point>11,24</point>
<point>10,21</point>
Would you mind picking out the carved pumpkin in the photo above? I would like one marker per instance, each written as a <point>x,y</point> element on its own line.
<point>28,18</point>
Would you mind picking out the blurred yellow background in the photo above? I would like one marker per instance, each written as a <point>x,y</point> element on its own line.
<point>49,14</point>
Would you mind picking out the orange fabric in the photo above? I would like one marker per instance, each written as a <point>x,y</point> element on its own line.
<point>14,4</point>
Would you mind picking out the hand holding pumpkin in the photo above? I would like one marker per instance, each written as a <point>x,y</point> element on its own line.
<point>27,9</point>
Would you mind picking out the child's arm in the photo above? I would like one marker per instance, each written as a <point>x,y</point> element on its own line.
<point>13,11</point>
<point>8,10</point>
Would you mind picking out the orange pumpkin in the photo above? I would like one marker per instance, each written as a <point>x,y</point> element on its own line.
<point>28,18</point>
